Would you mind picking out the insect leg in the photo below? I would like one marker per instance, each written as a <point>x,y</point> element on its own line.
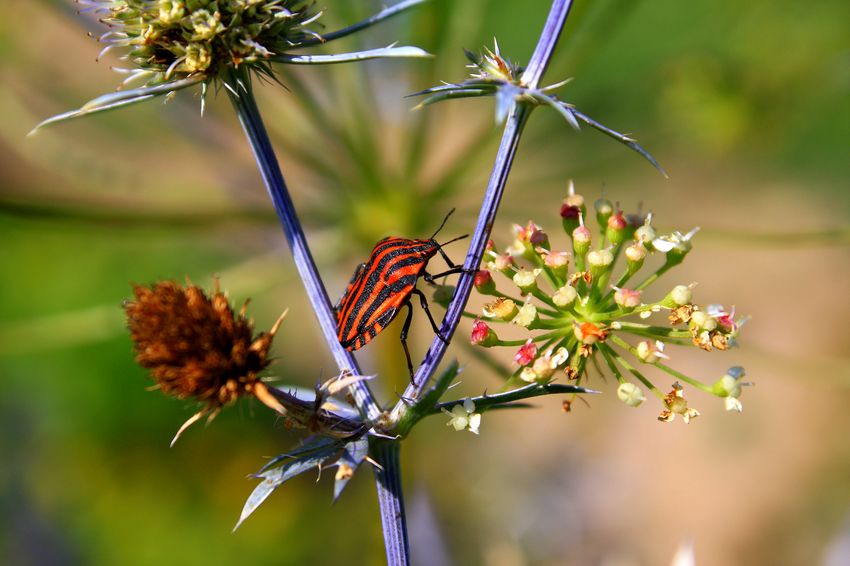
<point>430,278</point>
<point>424,302</point>
<point>404,329</point>
<point>446,258</point>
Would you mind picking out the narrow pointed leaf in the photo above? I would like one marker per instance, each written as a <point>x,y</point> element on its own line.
<point>353,455</point>
<point>120,99</point>
<point>620,138</point>
<point>563,109</point>
<point>380,53</point>
<point>310,457</point>
<point>452,94</point>
<point>505,100</point>
<point>507,397</point>
<point>384,14</point>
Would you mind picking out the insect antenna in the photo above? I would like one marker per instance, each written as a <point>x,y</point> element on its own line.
<point>453,240</point>
<point>443,224</point>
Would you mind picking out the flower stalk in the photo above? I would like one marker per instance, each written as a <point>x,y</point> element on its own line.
<point>514,126</point>
<point>242,97</point>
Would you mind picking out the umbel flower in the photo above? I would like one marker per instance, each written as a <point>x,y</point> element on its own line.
<point>169,45</point>
<point>196,347</point>
<point>571,316</point>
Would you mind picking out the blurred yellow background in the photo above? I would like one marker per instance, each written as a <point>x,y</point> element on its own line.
<point>744,104</point>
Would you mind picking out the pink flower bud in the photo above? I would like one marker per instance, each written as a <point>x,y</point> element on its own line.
<point>482,335</point>
<point>627,298</point>
<point>526,353</point>
<point>502,263</point>
<point>570,211</point>
<point>617,221</point>
<point>483,282</point>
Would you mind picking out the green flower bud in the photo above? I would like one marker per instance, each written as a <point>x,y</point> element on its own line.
<point>526,316</point>
<point>600,261</point>
<point>646,233</point>
<point>205,25</point>
<point>526,280</point>
<point>630,394</point>
<point>581,240</point>
<point>557,262</point>
<point>565,296</point>
<point>635,254</point>
<point>198,57</point>
<point>617,229</point>
<point>681,295</point>
<point>604,209</point>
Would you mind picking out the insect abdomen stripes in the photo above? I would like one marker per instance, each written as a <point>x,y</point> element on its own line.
<point>379,288</point>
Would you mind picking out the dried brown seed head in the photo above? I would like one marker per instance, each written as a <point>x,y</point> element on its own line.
<point>195,346</point>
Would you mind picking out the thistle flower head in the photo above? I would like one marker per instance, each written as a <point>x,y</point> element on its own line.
<point>196,347</point>
<point>490,65</point>
<point>493,74</point>
<point>168,45</point>
<point>594,307</point>
<point>168,40</point>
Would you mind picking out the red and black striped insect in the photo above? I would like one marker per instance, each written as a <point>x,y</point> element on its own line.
<point>384,284</point>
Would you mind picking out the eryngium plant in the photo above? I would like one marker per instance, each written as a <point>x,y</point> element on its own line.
<point>170,45</point>
<point>195,51</point>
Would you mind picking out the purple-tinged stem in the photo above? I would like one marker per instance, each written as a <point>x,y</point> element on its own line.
<point>385,453</point>
<point>546,45</point>
<point>495,188</point>
<point>241,95</point>
<point>393,519</point>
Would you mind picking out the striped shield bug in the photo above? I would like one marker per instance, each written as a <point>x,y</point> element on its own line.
<point>384,284</point>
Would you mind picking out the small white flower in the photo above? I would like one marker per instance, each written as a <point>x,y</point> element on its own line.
<point>526,316</point>
<point>650,352</point>
<point>676,240</point>
<point>464,417</point>
<point>730,388</point>
<point>733,404</point>
<point>630,394</point>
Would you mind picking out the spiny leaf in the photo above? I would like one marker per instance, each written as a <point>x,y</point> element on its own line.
<point>380,53</point>
<point>352,456</point>
<point>120,99</point>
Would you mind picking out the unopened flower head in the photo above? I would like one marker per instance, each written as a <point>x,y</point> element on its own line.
<point>483,282</point>
<point>636,253</point>
<point>491,65</point>
<point>599,310</point>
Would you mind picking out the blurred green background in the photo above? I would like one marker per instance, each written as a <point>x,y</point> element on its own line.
<point>747,106</point>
